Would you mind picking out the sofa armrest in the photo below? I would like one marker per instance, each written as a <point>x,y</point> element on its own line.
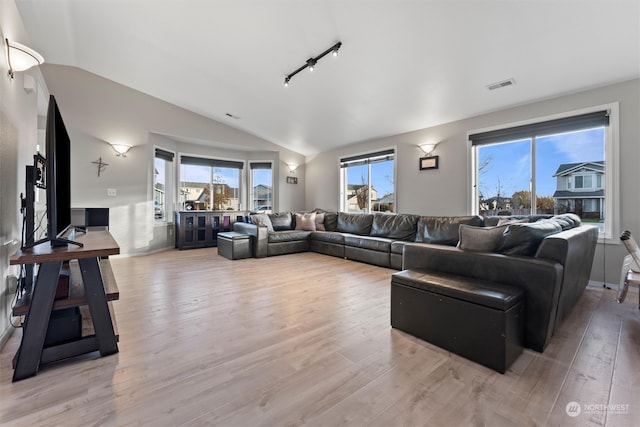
<point>575,250</point>
<point>259,236</point>
<point>540,278</point>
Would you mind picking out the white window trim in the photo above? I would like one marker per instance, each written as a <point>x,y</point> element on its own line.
<point>250,184</point>
<point>611,156</point>
<point>243,178</point>
<point>169,192</point>
<point>342,183</point>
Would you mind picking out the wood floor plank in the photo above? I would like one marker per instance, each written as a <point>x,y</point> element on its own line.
<point>305,339</point>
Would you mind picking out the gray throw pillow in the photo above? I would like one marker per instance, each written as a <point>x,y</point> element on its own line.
<point>481,239</point>
<point>262,220</point>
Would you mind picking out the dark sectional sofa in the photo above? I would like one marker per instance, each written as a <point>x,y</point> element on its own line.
<point>549,257</point>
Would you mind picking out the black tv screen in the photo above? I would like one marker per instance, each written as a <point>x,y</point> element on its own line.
<point>58,173</point>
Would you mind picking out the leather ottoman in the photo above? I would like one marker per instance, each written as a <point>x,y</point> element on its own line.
<point>234,245</point>
<point>479,320</point>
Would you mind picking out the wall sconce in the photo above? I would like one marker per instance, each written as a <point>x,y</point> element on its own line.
<point>292,167</point>
<point>121,149</point>
<point>427,149</point>
<point>311,62</point>
<point>20,57</point>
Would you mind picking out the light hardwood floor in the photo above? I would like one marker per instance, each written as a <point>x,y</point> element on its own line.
<point>305,340</point>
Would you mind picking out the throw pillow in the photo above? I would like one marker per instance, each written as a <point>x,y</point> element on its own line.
<point>504,221</point>
<point>320,222</point>
<point>281,221</point>
<point>262,220</point>
<point>481,239</point>
<point>306,221</point>
<point>524,239</point>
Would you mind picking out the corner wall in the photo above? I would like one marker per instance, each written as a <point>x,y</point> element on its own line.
<point>18,140</point>
<point>445,191</point>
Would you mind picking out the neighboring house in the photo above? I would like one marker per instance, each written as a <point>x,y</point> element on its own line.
<point>580,189</point>
<point>384,204</point>
<point>262,195</point>
<point>196,196</point>
<point>357,197</point>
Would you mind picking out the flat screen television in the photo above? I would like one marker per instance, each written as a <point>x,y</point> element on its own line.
<point>58,176</point>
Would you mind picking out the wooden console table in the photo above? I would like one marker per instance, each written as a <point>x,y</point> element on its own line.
<point>94,288</point>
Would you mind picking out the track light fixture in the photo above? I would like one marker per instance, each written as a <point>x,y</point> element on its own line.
<point>311,62</point>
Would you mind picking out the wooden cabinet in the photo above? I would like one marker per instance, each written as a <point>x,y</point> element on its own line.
<point>199,229</point>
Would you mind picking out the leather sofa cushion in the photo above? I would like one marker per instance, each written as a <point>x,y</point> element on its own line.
<point>288,236</point>
<point>492,221</point>
<point>394,226</point>
<point>354,223</point>
<point>281,221</point>
<point>379,244</point>
<point>524,239</point>
<point>328,236</point>
<point>443,230</point>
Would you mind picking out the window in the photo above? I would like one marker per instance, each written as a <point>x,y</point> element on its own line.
<point>162,185</point>
<point>261,185</point>
<point>210,184</point>
<point>548,167</point>
<point>367,183</point>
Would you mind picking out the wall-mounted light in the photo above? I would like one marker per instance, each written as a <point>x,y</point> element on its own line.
<point>20,57</point>
<point>121,149</point>
<point>311,62</point>
<point>292,167</point>
<point>428,148</point>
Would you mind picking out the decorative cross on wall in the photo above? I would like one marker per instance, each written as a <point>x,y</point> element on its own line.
<point>101,165</point>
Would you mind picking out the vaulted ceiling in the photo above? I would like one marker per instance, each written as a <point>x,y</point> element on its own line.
<point>404,65</point>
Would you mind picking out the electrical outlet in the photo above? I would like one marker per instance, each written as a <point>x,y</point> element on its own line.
<point>111,192</point>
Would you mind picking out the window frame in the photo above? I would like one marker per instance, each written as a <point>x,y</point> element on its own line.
<point>611,157</point>
<point>250,169</point>
<point>211,161</point>
<point>169,191</point>
<point>367,158</point>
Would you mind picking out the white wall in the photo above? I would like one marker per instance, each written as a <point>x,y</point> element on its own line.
<point>97,111</point>
<point>18,140</point>
<point>445,191</point>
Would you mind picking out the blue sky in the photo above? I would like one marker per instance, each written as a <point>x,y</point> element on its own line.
<point>510,166</point>
<point>381,176</point>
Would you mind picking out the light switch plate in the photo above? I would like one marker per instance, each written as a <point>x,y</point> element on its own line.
<point>111,192</point>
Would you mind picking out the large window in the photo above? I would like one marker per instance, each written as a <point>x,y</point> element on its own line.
<point>367,183</point>
<point>550,167</point>
<point>163,185</point>
<point>210,184</point>
<point>261,186</point>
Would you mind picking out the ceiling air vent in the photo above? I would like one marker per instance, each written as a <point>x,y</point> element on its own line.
<point>499,85</point>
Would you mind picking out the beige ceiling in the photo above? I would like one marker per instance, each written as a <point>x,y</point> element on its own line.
<point>404,65</point>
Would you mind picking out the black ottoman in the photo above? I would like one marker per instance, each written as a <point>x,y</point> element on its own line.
<point>479,320</point>
<point>234,245</point>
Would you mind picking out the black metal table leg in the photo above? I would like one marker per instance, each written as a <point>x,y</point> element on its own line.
<point>95,293</point>
<point>37,321</point>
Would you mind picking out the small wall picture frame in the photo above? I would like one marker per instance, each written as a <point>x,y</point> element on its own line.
<point>429,162</point>
<point>292,180</point>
